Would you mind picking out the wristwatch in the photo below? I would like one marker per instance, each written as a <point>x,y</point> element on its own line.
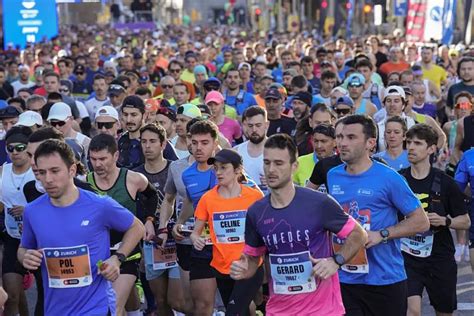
<point>121,257</point>
<point>384,233</point>
<point>448,221</point>
<point>339,259</point>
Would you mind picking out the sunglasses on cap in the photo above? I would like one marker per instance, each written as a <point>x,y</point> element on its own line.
<point>342,111</point>
<point>107,125</point>
<point>355,85</point>
<point>57,123</point>
<point>18,148</point>
<point>463,105</point>
<point>64,90</point>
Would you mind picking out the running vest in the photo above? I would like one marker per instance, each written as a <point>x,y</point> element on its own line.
<point>238,99</point>
<point>130,152</point>
<point>468,141</point>
<point>362,107</point>
<point>12,194</point>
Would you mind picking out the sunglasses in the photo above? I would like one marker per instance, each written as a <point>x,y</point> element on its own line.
<point>463,105</point>
<point>57,123</point>
<point>79,73</point>
<point>167,86</point>
<point>357,85</point>
<point>107,125</point>
<point>64,90</point>
<point>342,111</point>
<point>175,70</point>
<point>212,88</point>
<point>18,148</point>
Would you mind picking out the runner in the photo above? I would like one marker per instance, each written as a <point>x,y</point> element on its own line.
<point>161,267</point>
<point>72,251</point>
<point>126,187</point>
<point>290,227</point>
<point>374,282</point>
<point>185,113</point>
<point>14,175</point>
<point>395,153</point>
<point>429,256</point>
<point>224,209</point>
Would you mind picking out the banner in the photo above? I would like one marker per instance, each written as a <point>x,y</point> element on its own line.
<point>416,20</point>
<point>400,7</point>
<point>434,20</point>
<point>350,15</point>
<point>28,21</point>
<point>449,17</point>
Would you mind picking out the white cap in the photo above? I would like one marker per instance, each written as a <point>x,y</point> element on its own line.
<point>59,111</point>
<point>395,91</point>
<point>29,118</point>
<point>107,110</point>
<point>244,64</point>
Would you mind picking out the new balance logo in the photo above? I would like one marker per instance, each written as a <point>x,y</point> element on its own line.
<point>85,222</point>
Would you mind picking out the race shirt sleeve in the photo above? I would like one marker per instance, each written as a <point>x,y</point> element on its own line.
<point>170,186</point>
<point>254,245</point>
<point>115,216</point>
<point>398,187</point>
<point>335,219</point>
<point>317,174</point>
<point>28,239</point>
<point>462,173</point>
<point>201,211</point>
<point>455,198</point>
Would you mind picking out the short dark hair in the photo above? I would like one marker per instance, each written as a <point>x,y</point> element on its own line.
<point>142,91</point>
<point>204,127</point>
<point>307,59</point>
<point>325,129</point>
<point>45,133</point>
<point>51,74</point>
<point>17,100</point>
<point>52,146</point>
<point>299,81</point>
<point>252,111</point>
<point>328,75</point>
<point>364,63</point>
<point>175,62</point>
<point>21,133</point>
<point>98,77</point>
<point>191,122</point>
<point>399,120</point>
<point>321,107</point>
<point>229,70</point>
<point>423,132</point>
<point>283,141</point>
<point>103,141</point>
<point>155,128</point>
<point>368,125</point>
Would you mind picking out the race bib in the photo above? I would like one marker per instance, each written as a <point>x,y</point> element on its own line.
<point>13,224</point>
<point>187,229</point>
<point>68,267</point>
<point>229,227</point>
<point>291,273</point>
<point>419,245</point>
<point>359,263</point>
<point>161,258</point>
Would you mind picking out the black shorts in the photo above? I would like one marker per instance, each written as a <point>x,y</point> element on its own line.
<point>130,267</point>
<point>10,263</point>
<point>438,277</point>
<point>183,252</point>
<point>375,300</point>
<point>200,268</point>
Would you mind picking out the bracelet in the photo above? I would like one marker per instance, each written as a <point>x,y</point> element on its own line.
<point>163,230</point>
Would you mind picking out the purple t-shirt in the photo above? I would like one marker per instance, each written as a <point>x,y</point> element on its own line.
<point>289,235</point>
<point>230,129</point>
<point>427,109</point>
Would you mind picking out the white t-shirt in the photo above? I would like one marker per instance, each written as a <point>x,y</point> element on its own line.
<point>253,166</point>
<point>17,85</point>
<point>92,105</point>
<point>82,109</point>
<point>180,153</point>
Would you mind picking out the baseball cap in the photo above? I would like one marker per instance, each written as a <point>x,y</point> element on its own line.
<point>29,118</point>
<point>214,96</point>
<point>199,69</point>
<point>143,79</point>
<point>151,105</point>
<point>244,64</point>
<point>212,84</point>
<point>108,111</point>
<point>290,72</point>
<point>345,100</point>
<point>205,111</point>
<point>168,112</point>
<point>189,110</point>
<point>59,111</point>
<point>226,156</point>
<point>134,102</point>
<point>407,90</point>
<point>355,79</point>
<point>79,68</point>
<point>9,112</point>
<point>417,70</point>
<point>116,89</point>
<point>273,94</point>
<point>304,97</point>
<point>3,105</point>
<point>395,91</point>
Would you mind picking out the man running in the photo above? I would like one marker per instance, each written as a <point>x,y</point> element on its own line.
<point>126,187</point>
<point>374,282</point>
<point>429,256</point>
<point>291,228</point>
<point>75,260</point>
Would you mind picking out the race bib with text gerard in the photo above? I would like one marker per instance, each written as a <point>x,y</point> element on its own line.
<point>419,245</point>
<point>229,226</point>
<point>68,267</point>
<point>291,273</point>
<point>359,263</point>
<point>161,258</point>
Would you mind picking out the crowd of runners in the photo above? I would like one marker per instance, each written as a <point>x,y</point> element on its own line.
<point>212,170</point>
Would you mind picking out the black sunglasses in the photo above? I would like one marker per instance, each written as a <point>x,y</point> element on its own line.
<point>79,73</point>
<point>342,111</point>
<point>175,70</point>
<point>167,86</point>
<point>19,148</point>
<point>57,123</point>
<point>64,90</point>
<point>107,125</point>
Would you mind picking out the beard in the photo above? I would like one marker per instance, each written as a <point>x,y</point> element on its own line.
<point>256,139</point>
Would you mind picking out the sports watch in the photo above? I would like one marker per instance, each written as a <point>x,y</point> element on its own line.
<point>121,257</point>
<point>448,221</point>
<point>339,259</point>
<point>384,233</point>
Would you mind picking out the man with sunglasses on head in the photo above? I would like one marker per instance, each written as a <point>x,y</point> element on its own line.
<point>116,94</point>
<point>14,176</point>
<point>60,117</point>
<point>355,86</point>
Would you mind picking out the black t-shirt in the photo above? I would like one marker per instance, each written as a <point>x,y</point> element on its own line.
<point>321,169</point>
<point>282,125</point>
<point>452,200</point>
<point>31,193</point>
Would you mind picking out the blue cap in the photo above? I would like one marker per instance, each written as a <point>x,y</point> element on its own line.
<point>345,100</point>
<point>3,104</point>
<point>355,79</point>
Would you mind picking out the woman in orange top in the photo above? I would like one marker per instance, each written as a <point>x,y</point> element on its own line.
<point>224,208</point>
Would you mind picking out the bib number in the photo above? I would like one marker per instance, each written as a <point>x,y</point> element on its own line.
<point>187,229</point>
<point>229,227</point>
<point>419,245</point>
<point>68,267</point>
<point>291,273</point>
